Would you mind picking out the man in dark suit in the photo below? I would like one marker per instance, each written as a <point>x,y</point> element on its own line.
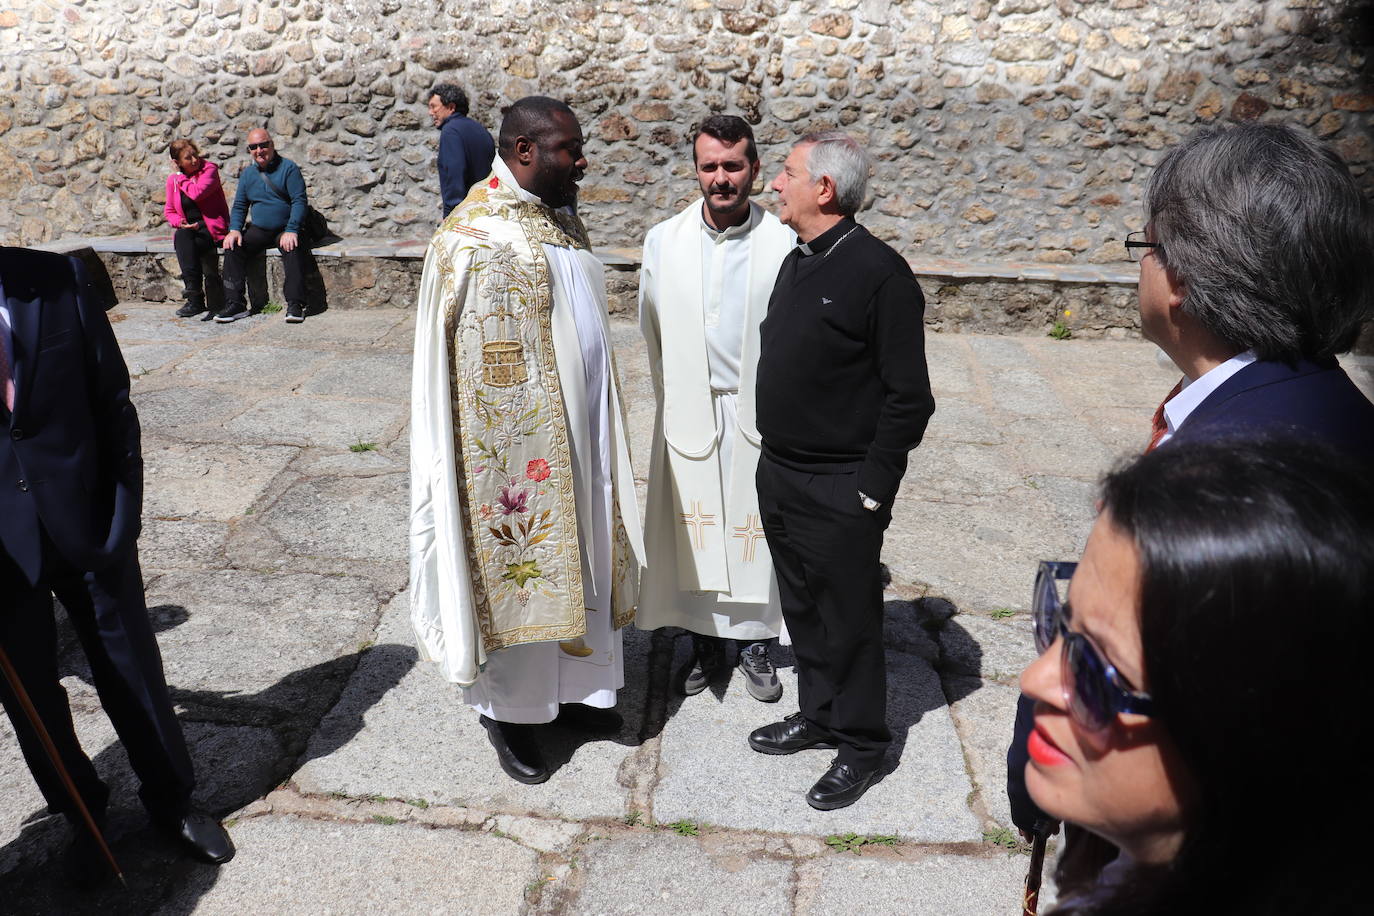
<point>71,493</point>
<point>1254,276</point>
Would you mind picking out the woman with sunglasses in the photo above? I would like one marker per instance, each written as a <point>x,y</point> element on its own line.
<point>1201,695</point>
<point>199,214</point>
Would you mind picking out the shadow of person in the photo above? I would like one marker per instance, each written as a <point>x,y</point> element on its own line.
<point>917,637</point>
<point>242,746</point>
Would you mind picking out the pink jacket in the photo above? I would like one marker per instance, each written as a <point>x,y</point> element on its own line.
<point>204,188</point>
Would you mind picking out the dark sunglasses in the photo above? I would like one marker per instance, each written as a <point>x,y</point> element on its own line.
<point>266,144</point>
<point>1094,691</point>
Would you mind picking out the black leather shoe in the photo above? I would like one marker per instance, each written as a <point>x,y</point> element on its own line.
<point>516,751</point>
<point>792,734</point>
<point>190,310</point>
<point>589,718</point>
<point>202,836</point>
<point>841,786</point>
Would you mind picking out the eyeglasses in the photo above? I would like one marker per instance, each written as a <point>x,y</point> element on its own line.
<point>1135,241</point>
<point>1094,691</point>
<point>266,144</point>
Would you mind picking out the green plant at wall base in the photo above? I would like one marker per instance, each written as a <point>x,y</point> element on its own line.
<point>684,828</point>
<point>271,308</point>
<point>853,842</point>
<point>1062,331</point>
<point>361,446</point>
<point>633,819</point>
<point>1002,613</point>
<point>385,819</point>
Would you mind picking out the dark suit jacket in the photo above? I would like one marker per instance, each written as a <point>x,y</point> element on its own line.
<point>1309,398</point>
<point>69,453</point>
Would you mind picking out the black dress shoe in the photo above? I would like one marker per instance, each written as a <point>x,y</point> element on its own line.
<point>589,718</point>
<point>516,751</point>
<point>202,836</point>
<point>842,785</point>
<point>792,734</point>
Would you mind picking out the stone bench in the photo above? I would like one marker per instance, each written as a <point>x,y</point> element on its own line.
<point>961,295</point>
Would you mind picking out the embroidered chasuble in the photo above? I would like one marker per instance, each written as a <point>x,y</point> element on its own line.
<point>524,531</point>
<point>702,296</point>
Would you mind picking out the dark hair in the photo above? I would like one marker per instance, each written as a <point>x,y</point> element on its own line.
<point>1256,596</point>
<point>1271,237</point>
<point>177,147</point>
<point>728,129</point>
<point>532,117</point>
<point>452,96</point>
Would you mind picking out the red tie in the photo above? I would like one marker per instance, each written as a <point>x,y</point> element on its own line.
<point>1159,426</point>
<point>6,372</point>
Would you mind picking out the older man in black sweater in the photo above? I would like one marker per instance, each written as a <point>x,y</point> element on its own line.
<point>843,397</point>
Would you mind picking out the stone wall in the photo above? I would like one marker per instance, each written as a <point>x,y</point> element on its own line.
<point>1002,128</point>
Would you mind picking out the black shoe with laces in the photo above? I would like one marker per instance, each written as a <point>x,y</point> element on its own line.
<point>190,310</point>
<point>760,677</point>
<point>792,734</point>
<point>295,312</point>
<point>841,786</point>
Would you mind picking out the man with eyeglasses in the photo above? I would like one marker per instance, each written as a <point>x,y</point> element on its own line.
<point>1254,275</point>
<point>269,210</point>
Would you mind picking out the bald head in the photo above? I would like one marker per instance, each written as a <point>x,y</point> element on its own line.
<point>261,147</point>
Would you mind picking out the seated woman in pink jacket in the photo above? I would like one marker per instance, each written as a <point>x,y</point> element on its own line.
<point>197,210</point>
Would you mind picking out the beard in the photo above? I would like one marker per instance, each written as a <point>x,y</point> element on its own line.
<point>737,200</point>
<point>555,186</point>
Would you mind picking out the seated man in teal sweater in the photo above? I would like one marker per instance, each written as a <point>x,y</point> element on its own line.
<point>272,191</point>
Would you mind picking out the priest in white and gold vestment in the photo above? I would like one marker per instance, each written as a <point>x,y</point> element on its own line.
<point>704,287</point>
<point>524,530</point>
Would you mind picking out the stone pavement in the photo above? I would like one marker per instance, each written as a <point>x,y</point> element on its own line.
<point>353,779</point>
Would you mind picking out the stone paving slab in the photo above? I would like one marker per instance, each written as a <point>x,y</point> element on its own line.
<point>410,736</point>
<point>295,865</point>
<point>708,772</point>
<point>934,885</point>
<point>643,873</point>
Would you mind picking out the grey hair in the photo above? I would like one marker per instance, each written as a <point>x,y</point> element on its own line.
<point>1270,236</point>
<point>835,153</point>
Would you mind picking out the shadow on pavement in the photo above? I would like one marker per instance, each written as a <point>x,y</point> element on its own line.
<point>924,629</point>
<point>242,744</point>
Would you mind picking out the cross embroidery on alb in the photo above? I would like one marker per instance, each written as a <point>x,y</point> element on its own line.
<point>697,520</point>
<point>750,532</point>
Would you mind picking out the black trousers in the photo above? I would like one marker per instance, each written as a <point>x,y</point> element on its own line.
<point>255,241</point>
<point>198,257</point>
<point>825,549</point>
<point>110,617</point>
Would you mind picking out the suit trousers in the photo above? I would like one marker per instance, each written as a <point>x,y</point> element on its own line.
<point>198,257</point>
<point>826,550</point>
<point>255,241</point>
<point>108,612</point>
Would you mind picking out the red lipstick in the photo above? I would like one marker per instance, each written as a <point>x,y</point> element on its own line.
<point>1044,751</point>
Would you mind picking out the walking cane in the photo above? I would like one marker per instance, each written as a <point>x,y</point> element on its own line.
<point>1030,901</point>
<point>12,678</point>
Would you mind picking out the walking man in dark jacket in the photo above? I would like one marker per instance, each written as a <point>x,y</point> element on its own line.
<point>465,148</point>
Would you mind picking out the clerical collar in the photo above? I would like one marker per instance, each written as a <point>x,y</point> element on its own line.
<point>822,243</point>
<point>730,232</point>
<point>503,173</point>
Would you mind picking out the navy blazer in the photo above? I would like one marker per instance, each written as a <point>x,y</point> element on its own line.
<point>1308,398</point>
<point>70,455</point>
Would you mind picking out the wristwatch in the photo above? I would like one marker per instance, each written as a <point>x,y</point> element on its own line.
<point>868,502</point>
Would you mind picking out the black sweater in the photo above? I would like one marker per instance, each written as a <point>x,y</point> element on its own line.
<point>842,365</point>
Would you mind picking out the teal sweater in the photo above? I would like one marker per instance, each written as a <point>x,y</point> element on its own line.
<point>270,209</point>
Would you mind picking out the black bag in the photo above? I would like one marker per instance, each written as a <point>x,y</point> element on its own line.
<point>314,226</point>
